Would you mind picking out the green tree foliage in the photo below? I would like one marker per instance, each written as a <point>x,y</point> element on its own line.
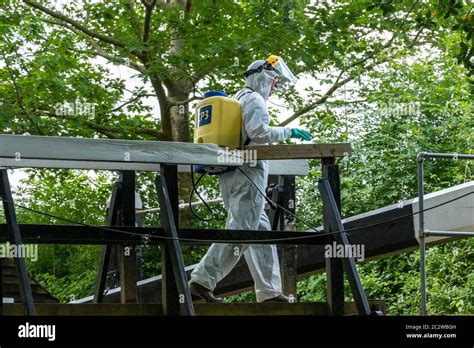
<point>68,272</point>
<point>406,107</point>
<point>181,48</point>
<point>365,63</point>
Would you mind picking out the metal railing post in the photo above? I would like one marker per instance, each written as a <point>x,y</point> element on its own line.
<point>421,232</point>
<point>420,158</point>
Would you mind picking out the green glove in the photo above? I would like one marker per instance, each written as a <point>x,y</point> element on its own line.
<point>300,134</point>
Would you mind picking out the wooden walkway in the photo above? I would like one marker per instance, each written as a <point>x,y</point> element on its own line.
<point>203,309</point>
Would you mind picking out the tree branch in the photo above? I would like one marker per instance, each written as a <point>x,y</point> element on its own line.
<point>186,101</point>
<point>130,5</point>
<point>149,6</point>
<point>128,102</point>
<point>99,51</point>
<point>114,130</point>
<point>356,101</point>
<point>389,43</point>
<point>81,27</point>
<point>337,84</point>
<point>321,100</point>
<point>329,93</point>
<point>114,59</point>
<point>109,131</point>
<point>149,131</point>
<point>163,102</point>
<point>103,130</point>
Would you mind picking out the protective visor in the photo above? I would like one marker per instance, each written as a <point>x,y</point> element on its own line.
<point>277,64</point>
<point>286,76</point>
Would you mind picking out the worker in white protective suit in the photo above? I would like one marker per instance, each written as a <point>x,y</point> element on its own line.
<point>243,202</point>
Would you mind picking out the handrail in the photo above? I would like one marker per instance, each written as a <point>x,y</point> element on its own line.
<point>420,158</point>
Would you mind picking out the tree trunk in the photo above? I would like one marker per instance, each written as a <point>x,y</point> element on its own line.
<point>179,116</point>
<point>175,119</point>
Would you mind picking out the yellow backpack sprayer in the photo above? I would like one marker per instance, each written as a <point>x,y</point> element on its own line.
<point>218,121</point>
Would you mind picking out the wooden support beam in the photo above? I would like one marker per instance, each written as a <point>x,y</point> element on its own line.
<point>127,255</point>
<point>1,285</point>
<point>298,167</point>
<point>127,272</point>
<point>333,223</point>
<point>334,268</point>
<point>15,239</point>
<point>112,216</point>
<point>301,151</point>
<point>76,234</point>
<point>289,252</point>
<point>176,290</point>
<point>283,193</point>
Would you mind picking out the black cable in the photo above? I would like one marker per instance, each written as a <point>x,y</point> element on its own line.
<point>354,228</point>
<point>243,241</point>
<point>75,222</point>
<point>199,195</point>
<point>271,202</point>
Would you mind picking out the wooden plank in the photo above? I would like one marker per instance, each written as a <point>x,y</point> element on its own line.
<point>68,164</point>
<point>100,309</point>
<point>276,167</point>
<point>277,309</point>
<point>203,309</point>
<point>298,167</point>
<point>17,151</point>
<point>288,167</point>
<point>106,150</point>
<point>262,309</point>
<point>301,151</point>
<point>457,216</point>
<point>77,234</point>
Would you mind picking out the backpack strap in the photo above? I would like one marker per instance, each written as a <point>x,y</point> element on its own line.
<point>251,91</point>
<point>248,140</point>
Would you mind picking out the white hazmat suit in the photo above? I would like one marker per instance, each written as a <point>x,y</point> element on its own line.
<point>244,204</point>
